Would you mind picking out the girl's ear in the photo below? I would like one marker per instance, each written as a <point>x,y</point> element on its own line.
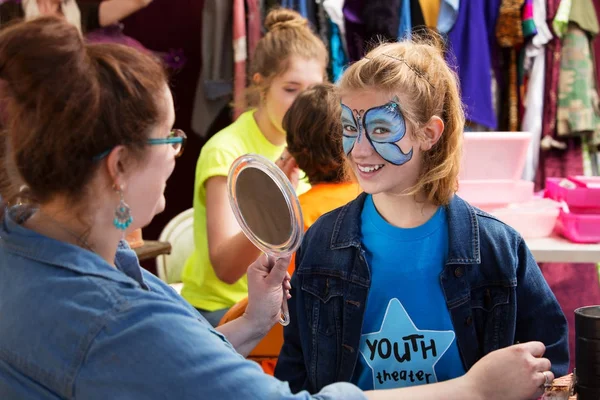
<point>433,132</point>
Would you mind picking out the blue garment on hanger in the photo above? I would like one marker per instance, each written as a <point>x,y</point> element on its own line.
<point>405,27</point>
<point>308,9</point>
<point>339,58</point>
<point>447,16</point>
<point>470,48</point>
<point>298,5</point>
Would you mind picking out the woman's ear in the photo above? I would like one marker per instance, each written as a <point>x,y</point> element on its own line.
<point>118,164</point>
<point>433,132</point>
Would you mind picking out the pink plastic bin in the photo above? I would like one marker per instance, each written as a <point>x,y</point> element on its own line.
<point>494,155</point>
<point>579,228</point>
<point>495,193</point>
<point>534,219</point>
<point>582,193</point>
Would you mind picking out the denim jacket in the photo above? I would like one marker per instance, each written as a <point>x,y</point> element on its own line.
<point>74,327</point>
<point>494,290</point>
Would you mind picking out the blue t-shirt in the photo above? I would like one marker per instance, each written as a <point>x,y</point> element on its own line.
<point>407,335</point>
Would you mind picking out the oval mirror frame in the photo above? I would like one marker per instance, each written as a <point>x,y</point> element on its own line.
<point>269,168</point>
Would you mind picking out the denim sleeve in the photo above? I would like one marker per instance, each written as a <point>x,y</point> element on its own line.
<point>290,363</point>
<point>539,316</point>
<point>157,350</point>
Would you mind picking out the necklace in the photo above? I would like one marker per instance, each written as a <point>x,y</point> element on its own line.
<point>79,239</point>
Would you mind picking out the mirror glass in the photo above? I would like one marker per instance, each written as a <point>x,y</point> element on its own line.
<point>263,207</point>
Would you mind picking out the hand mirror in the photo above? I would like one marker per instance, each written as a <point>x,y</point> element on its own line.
<point>267,209</point>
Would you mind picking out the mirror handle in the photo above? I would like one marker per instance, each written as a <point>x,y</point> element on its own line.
<point>284,317</point>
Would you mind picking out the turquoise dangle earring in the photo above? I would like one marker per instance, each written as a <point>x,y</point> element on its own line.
<point>123,216</point>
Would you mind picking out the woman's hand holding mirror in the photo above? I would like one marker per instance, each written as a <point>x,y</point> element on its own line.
<point>268,282</point>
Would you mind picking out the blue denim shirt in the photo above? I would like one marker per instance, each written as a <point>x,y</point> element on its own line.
<point>74,327</point>
<point>494,290</point>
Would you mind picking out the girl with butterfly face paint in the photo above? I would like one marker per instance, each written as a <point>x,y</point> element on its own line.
<point>382,126</point>
<point>408,284</point>
<point>383,156</point>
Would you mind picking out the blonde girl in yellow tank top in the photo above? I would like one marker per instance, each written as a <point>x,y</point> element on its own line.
<point>288,59</point>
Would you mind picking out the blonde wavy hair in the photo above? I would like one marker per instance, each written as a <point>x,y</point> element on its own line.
<point>416,71</point>
<point>288,34</point>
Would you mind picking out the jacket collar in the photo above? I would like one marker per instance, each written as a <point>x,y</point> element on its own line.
<point>18,240</point>
<point>463,230</point>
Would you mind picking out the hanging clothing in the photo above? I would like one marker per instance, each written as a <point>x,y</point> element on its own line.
<point>381,20</point>
<point>338,50</point>
<point>299,5</point>
<point>405,20</point>
<point>266,6</point>
<point>338,58</point>
<point>416,15</point>
<point>510,35</point>
<point>447,15</point>
<point>534,65</point>
<point>561,19</point>
<point>553,49</point>
<point>543,33</point>
<point>596,44</point>
<point>411,18</point>
<point>560,162</point>
<point>583,14</point>
<point>334,10</point>
<point>528,23</point>
<point>323,25</point>
<point>578,98</point>
<point>240,57</point>
<point>509,30</point>
<point>306,8</point>
<point>471,43</point>
<point>534,109</point>
<point>354,28</point>
<point>558,157</point>
<point>431,11</point>
<point>214,88</point>
<point>254,22</point>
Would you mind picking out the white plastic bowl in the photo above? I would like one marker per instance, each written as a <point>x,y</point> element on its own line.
<point>534,219</point>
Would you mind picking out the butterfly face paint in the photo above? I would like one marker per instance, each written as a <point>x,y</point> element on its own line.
<point>382,126</point>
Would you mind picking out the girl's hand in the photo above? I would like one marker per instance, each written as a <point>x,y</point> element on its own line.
<point>288,165</point>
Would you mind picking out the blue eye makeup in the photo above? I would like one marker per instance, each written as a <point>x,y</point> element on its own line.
<point>384,126</point>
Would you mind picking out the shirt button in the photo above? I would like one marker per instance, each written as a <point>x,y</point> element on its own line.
<point>468,321</point>
<point>459,272</point>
